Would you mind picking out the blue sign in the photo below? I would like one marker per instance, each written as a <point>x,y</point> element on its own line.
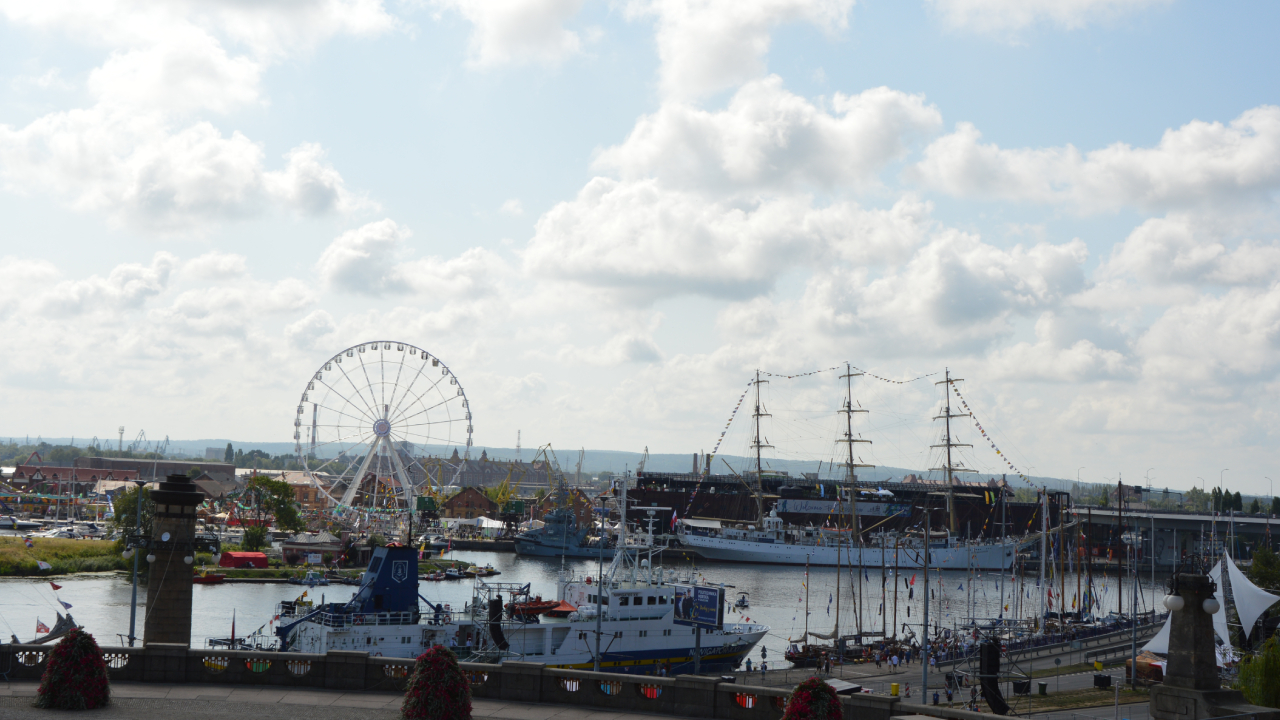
<point>699,606</point>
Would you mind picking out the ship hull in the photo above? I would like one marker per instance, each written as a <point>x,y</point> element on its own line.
<point>982,557</point>
<point>538,549</point>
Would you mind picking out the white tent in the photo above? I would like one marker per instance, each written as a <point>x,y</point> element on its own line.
<point>1160,643</point>
<point>1220,617</point>
<point>1251,600</point>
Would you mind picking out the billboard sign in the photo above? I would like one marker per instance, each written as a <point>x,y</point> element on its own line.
<point>699,606</point>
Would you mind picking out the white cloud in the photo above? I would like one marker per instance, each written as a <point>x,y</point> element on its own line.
<point>374,260</point>
<point>1002,16</point>
<point>308,332</point>
<point>141,172</point>
<point>366,260</point>
<point>310,186</point>
<point>1217,346</point>
<point>709,45</point>
<point>184,73</point>
<point>216,266</point>
<point>1200,164</point>
<point>1050,359</point>
<point>126,287</point>
<point>956,294</point>
<point>1179,249</point>
<point>643,241</point>
<point>768,137</point>
<point>518,31</point>
<point>512,207</point>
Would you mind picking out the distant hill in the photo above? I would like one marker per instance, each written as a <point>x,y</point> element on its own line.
<point>597,461</point>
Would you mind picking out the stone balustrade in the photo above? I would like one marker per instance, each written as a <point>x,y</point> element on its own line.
<point>686,695</point>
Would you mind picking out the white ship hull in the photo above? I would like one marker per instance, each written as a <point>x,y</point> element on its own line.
<point>997,556</point>
<point>640,644</point>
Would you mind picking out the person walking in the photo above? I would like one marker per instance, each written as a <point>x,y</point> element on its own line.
<point>748,665</point>
<point>764,669</point>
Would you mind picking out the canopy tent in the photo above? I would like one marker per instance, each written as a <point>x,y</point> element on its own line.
<point>1251,600</point>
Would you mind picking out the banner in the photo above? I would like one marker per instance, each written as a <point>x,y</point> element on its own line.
<point>699,606</point>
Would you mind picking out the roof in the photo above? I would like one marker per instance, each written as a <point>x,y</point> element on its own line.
<point>238,554</point>
<point>320,538</point>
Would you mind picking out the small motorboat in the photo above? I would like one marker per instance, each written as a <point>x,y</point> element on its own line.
<point>204,577</point>
<point>433,577</point>
<point>742,603</point>
<point>486,571</point>
<point>453,574</point>
<point>311,579</point>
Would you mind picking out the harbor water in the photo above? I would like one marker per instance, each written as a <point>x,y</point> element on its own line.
<point>101,602</point>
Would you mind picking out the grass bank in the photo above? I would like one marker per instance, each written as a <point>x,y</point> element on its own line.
<point>64,556</point>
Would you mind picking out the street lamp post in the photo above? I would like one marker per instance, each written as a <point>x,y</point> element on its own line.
<point>137,532</point>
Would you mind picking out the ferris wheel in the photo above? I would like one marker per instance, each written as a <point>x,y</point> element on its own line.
<point>367,411</point>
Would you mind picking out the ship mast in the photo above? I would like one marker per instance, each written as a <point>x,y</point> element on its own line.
<point>759,445</point>
<point>849,440</point>
<point>948,443</point>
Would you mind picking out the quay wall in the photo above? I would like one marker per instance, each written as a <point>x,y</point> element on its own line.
<point>684,695</point>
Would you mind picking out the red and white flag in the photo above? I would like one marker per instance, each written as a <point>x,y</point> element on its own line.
<point>675,518</point>
<point>41,627</point>
<point>56,586</point>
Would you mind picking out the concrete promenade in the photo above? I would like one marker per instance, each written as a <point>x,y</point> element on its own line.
<point>157,701</point>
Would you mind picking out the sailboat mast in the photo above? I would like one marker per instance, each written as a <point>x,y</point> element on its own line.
<point>806,599</point>
<point>949,465</point>
<point>758,445</point>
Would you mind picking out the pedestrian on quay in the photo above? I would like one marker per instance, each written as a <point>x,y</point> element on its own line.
<point>748,665</point>
<point>935,697</point>
<point>893,662</point>
<point>764,669</point>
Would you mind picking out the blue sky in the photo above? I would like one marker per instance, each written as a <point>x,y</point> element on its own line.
<point>606,215</point>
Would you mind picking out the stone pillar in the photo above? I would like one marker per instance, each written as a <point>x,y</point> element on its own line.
<point>1191,688</point>
<point>168,618</point>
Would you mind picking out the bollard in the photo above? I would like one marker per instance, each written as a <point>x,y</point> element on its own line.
<point>1043,688</point>
<point>893,689</point>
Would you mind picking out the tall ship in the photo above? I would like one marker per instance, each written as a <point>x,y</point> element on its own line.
<point>842,537</point>
<point>624,619</point>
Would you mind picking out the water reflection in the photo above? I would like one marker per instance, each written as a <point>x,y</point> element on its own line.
<point>777,594</point>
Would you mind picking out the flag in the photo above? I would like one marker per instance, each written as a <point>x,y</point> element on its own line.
<point>913,578</point>
<point>28,542</point>
<point>1097,665</point>
<point>41,628</point>
<point>675,517</point>
<point>56,586</point>
<point>43,565</point>
<point>65,604</point>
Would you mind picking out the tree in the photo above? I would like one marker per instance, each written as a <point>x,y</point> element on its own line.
<point>1196,499</point>
<point>125,506</point>
<point>1255,507</point>
<point>1258,673</point>
<point>230,455</point>
<point>255,538</point>
<point>1265,569</point>
<point>276,498</point>
<point>1275,506</point>
<point>194,471</point>
<point>1237,502</point>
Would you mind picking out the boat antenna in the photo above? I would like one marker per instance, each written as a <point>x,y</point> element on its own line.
<point>758,445</point>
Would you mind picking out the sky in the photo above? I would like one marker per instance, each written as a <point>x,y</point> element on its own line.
<point>604,217</point>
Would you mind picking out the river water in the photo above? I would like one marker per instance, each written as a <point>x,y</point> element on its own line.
<point>101,602</point>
